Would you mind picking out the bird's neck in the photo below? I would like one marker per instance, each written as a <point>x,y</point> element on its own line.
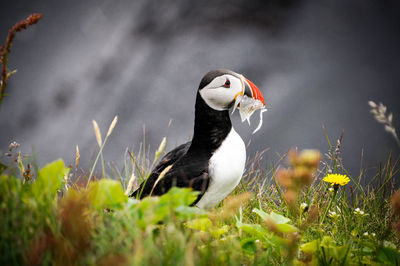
<point>210,126</point>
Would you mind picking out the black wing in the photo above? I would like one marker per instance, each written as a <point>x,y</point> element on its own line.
<point>171,157</point>
<point>188,170</point>
<point>168,159</point>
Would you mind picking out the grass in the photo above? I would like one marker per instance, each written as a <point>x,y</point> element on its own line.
<point>281,214</point>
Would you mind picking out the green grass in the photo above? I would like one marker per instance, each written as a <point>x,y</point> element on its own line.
<point>51,216</point>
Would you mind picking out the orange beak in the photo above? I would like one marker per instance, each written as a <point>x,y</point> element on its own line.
<point>251,90</point>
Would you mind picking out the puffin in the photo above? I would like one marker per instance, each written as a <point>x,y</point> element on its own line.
<point>213,162</point>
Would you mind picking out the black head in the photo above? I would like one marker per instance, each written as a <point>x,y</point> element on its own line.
<point>219,89</point>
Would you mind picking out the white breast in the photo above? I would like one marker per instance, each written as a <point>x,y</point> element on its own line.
<point>225,168</point>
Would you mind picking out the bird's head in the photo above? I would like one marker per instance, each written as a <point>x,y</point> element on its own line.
<point>220,89</point>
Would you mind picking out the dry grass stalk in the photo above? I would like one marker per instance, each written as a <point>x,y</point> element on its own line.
<point>379,112</point>
<point>132,184</point>
<point>78,156</point>
<point>97,133</point>
<point>162,147</point>
<point>101,145</point>
<point>112,126</point>
<point>163,173</point>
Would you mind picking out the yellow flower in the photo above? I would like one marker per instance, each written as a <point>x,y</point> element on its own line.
<point>336,179</point>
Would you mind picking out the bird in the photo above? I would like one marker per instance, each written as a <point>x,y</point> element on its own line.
<point>213,162</point>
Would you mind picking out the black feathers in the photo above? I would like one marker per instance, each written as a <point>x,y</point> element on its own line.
<point>169,159</point>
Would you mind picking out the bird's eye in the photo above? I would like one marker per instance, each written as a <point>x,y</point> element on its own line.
<point>227,83</point>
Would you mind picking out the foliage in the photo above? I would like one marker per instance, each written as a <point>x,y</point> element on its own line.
<point>50,219</point>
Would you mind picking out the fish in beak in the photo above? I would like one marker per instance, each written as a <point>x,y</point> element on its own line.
<point>248,101</point>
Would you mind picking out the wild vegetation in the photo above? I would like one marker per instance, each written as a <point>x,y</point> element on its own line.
<point>303,209</point>
<point>283,214</point>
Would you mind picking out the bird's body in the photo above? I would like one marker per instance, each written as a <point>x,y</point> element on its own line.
<point>225,168</point>
<point>213,161</point>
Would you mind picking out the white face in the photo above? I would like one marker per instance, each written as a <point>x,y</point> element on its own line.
<point>220,93</point>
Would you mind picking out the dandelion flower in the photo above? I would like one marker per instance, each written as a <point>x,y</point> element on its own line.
<point>336,179</point>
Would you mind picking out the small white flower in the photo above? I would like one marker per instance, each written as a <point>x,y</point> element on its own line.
<point>303,206</point>
<point>373,234</point>
<point>360,212</point>
<point>333,214</point>
<point>365,234</point>
<point>331,189</point>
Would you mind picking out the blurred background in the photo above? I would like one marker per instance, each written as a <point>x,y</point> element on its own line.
<point>316,62</point>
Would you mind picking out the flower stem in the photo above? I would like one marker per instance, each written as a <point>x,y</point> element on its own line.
<point>330,204</point>
<point>95,161</point>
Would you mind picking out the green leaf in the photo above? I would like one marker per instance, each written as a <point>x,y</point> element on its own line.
<point>286,228</point>
<point>278,219</point>
<point>249,245</point>
<point>260,213</point>
<point>179,196</point>
<point>389,255</point>
<point>328,248</point>
<point>205,225</point>
<point>201,224</point>
<point>187,212</point>
<point>50,179</point>
<point>273,216</point>
<point>219,231</point>
<point>252,229</point>
<point>310,247</point>
<point>147,214</point>
<point>327,241</point>
<point>107,193</point>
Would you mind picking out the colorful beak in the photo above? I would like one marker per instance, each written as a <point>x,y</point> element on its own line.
<point>251,90</point>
